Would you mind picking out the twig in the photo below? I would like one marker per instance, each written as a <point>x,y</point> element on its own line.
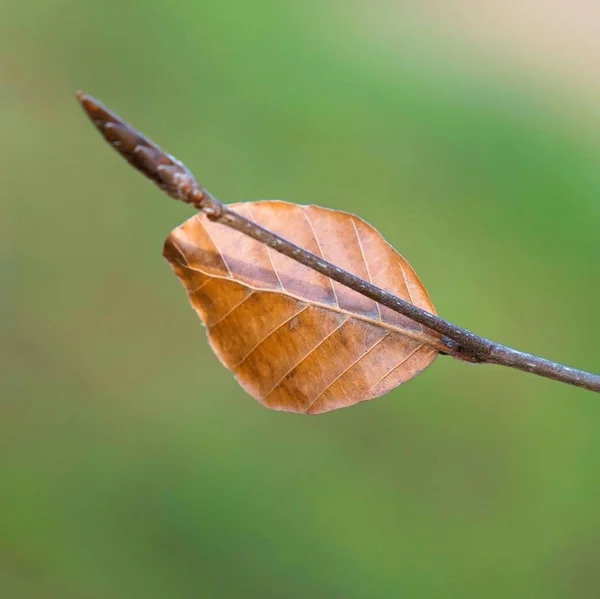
<point>177,181</point>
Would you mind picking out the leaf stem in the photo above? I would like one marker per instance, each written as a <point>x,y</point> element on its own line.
<point>177,181</point>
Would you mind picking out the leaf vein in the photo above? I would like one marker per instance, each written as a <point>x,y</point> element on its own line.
<point>314,401</point>
<point>314,233</point>
<point>268,249</point>
<point>192,291</point>
<point>306,355</point>
<point>395,368</point>
<point>362,253</point>
<point>231,311</point>
<point>267,336</point>
<point>217,248</point>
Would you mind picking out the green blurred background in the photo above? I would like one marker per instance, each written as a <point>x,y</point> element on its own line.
<point>132,465</point>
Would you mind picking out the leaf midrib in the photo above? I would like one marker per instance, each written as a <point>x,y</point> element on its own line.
<point>420,336</point>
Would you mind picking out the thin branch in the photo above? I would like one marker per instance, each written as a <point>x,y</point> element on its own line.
<point>177,181</point>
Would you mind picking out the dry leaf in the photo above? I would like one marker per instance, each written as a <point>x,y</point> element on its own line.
<point>296,340</point>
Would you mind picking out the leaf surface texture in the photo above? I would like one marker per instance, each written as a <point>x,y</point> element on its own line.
<point>296,340</point>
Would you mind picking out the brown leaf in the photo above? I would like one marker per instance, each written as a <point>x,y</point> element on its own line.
<point>295,339</point>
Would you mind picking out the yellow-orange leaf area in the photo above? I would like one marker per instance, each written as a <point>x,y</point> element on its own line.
<point>296,340</point>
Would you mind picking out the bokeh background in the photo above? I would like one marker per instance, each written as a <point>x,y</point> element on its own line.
<point>132,465</point>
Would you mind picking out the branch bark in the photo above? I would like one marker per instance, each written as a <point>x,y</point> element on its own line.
<point>178,182</point>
